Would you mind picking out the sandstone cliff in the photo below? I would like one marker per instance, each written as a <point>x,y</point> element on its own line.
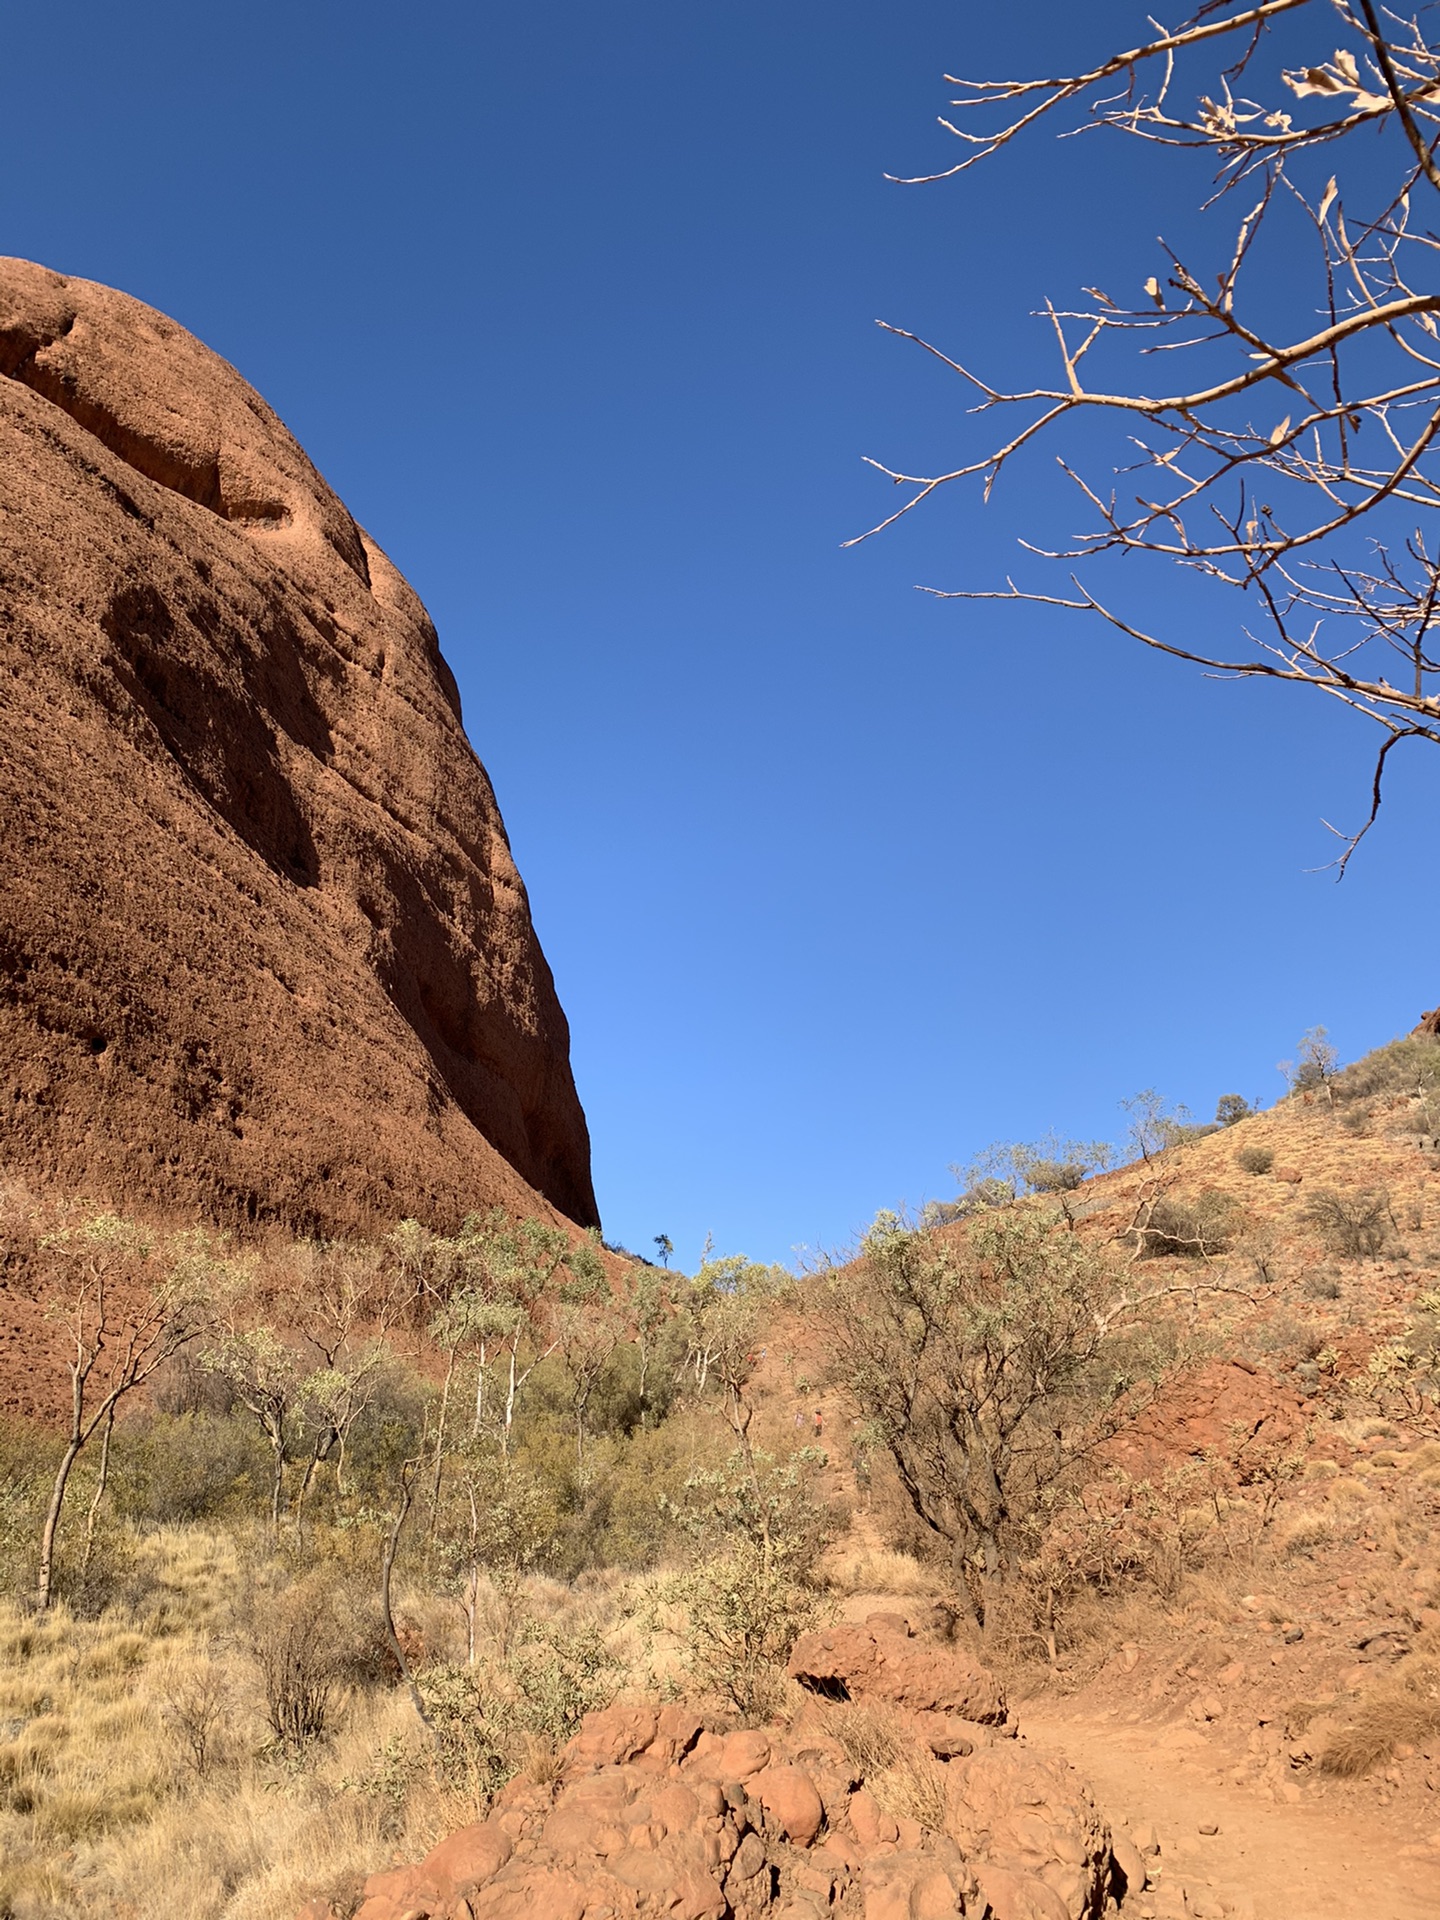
<point>263,947</point>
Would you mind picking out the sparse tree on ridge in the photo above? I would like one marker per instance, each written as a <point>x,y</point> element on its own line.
<point>1267,416</point>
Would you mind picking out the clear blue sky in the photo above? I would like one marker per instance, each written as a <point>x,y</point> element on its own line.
<point>574,305</point>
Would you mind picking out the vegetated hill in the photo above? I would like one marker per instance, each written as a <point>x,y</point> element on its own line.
<point>1225,1612</point>
<point>264,952</point>
<point>1235,1610</point>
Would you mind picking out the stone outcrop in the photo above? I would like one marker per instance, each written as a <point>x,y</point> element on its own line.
<point>264,951</point>
<point>884,1661</point>
<point>652,1813</point>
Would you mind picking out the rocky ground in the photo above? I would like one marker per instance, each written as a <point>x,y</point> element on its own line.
<point>896,1791</point>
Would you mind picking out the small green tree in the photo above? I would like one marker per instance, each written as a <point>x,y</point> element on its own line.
<point>589,1321</point>
<point>750,1592</point>
<point>976,1365</point>
<point>265,1376</point>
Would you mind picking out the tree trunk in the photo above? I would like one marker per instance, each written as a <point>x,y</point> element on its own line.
<point>387,1567</point>
<point>52,1522</point>
<point>277,1447</point>
<point>100,1487</point>
<point>439,1455</point>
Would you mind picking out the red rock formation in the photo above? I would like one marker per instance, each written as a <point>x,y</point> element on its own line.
<point>883,1661</point>
<point>653,1815</point>
<point>1214,1408</point>
<point>263,948</point>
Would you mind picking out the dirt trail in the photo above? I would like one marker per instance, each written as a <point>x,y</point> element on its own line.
<point>1268,1860</point>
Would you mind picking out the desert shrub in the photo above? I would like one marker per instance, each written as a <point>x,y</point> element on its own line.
<point>743,1613</point>
<point>622,1519</point>
<point>110,1575</point>
<point>1054,1165</point>
<point>914,1787</point>
<point>1306,1530</point>
<point>301,1642</point>
<point>1156,1124</point>
<point>489,1720</point>
<point>1288,1337</point>
<point>27,1463</point>
<point>170,1469</point>
<point>867,1732</point>
<point>1055,1176</point>
<point>1231,1109</point>
<point>1202,1226</point>
<point>982,1368</point>
<point>1408,1066</point>
<point>1355,1223</point>
<point>1255,1159</point>
<point>1315,1063</point>
<point>757,1535</point>
<point>196,1706</point>
<point>386,1431</point>
<point>1321,1286</point>
<point>977,1197</point>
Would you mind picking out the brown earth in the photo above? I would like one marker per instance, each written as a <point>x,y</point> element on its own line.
<point>264,952</point>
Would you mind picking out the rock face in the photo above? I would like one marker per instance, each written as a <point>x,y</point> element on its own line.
<point>884,1661</point>
<point>263,947</point>
<point>653,1814</point>
<point>1202,1411</point>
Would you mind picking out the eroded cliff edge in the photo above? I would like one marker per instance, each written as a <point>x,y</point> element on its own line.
<point>264,950</point>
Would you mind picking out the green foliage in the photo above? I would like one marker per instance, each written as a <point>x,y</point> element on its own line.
<point>27,1462</point>
<point>725,1310</point>
<point>1255,1159</point>
<point>758,1533</point>
<point>743,1614</point>
<point>1231,1109</point>
<point>486,1717</point>
<point>978,1365</point>
<point>170,1469</point>
<point>1007,1170</point>
<point>1405,1068</point>
<point>1157,1124</point>
<point>1315,1063</point>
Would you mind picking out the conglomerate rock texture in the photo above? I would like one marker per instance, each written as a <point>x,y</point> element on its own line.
<point>650,1813</point>
<point>264,951</point>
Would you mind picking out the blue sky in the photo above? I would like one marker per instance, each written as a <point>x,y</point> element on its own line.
<point>574,306</point>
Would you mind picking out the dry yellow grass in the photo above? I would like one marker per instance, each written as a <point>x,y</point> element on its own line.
<point>865,1568</point>
<point>106,1808</point>
<point>1406,1707</point>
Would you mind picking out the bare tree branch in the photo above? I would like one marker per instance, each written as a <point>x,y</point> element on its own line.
<point>1268,500</point>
